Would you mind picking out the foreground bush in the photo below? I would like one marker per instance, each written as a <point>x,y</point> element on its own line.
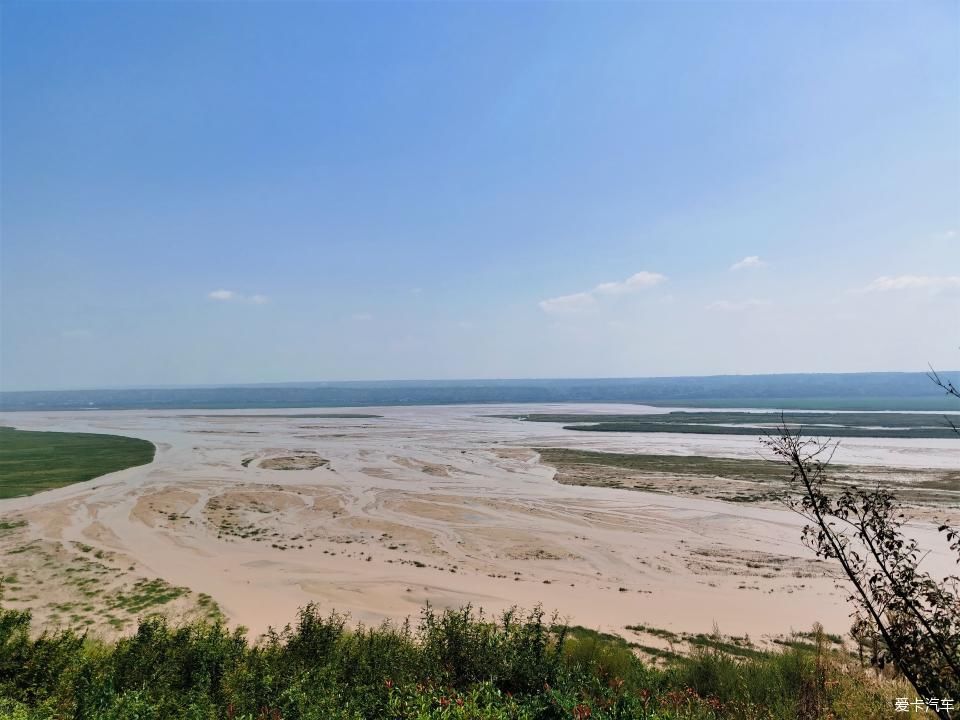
<point>452,665</point>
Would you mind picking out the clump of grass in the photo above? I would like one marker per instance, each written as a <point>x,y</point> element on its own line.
<point>724,645</point>
<point>210,608</point>
<point>146,594</point>
<point>7,525</point>
<point>656,632</point>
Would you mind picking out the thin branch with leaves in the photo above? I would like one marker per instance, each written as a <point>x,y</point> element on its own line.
<point>916,616</point>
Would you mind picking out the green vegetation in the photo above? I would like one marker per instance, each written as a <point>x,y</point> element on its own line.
<point>455,665</point>
<point>146,594</point>
<point>31,462</point>
<point>832,424</point>
<point>328,416</point>
<point>690,465</point>
<point>748,479</point>
<point>729,645</point>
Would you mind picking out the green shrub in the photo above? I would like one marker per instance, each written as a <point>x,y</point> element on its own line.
<point>455,664</point>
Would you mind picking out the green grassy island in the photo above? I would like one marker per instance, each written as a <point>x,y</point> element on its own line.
<point>32,461</point>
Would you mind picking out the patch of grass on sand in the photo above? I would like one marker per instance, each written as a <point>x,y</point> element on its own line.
<point>32,461</point>
<point>328,416</point>
<point>146,594</point>
<point>743,480</point>
<point>210,608</point>
<point>302,460</point>
<point>735,468</point>
<point>829,424</point>
<point>585,467</point>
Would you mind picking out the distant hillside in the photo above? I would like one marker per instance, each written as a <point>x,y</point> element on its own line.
<point>837,391</point>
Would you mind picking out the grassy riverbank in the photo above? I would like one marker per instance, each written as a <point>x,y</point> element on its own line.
<point>829,424</point>
<point>31,461</point>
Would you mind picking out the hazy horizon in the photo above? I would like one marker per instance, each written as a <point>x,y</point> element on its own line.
<point>229,193</point>
<point>896,392</point>
<point>949,373</point>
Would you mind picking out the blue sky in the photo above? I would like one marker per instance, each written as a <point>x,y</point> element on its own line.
<point>256,192</point>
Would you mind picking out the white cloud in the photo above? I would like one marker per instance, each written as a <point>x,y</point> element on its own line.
<point>568,303</point>
<point>886,283</point>
<point>637,281</point>
<point>231,296</point>
<point>736,306</point>
<point>222,295</point>
<point>750,261</point>
<point>578,302</point>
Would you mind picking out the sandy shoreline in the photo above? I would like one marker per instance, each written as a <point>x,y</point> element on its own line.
<point>438,504</point>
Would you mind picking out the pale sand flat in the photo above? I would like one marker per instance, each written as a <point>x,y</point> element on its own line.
<point>438,504</point>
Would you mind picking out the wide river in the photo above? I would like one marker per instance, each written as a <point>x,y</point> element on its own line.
<point>431,503</point>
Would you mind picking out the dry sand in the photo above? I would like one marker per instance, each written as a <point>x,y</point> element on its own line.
<point>377,516</point>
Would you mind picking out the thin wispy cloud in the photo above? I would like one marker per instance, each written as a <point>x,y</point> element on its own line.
<point>361,317</point>
<point>232,296</point>
<point>637,281</point>
<point>736,305</point>
<point>892,283</point>
<point>750,261</point>
<point>578,302</point>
